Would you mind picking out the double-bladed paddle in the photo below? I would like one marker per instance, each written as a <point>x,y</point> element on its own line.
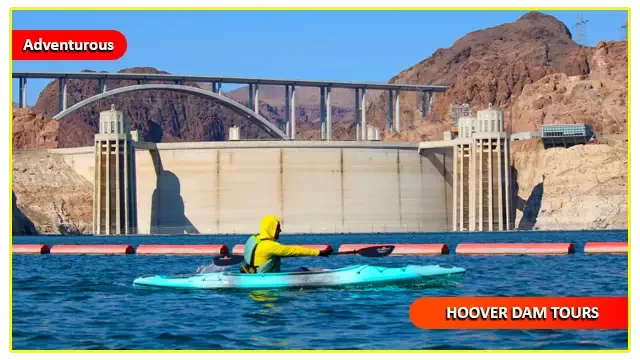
<point>371,251</point>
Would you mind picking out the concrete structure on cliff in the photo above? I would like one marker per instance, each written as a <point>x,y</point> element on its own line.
<point>482,195</point>
<point>177,83</point>
<point>114,194</point>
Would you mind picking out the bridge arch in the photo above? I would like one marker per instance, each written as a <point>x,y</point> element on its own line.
<point>238,108</point>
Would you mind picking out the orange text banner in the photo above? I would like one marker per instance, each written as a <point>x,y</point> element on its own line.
<point>520,313</point>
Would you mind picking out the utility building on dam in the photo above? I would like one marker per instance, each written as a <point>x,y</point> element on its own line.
<point>314,186</point>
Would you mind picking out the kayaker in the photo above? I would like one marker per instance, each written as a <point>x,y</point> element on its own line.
<point>262,252</point>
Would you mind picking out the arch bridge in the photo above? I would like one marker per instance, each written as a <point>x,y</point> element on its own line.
<point>238,108</point>
<point>427,94</point>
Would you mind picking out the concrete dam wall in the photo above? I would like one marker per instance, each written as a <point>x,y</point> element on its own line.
<point>313,187</point>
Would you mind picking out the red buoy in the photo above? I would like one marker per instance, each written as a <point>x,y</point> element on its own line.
<point>515,249</point>
<point>404,249</point>
<point>606,248</point>
<point>30,249</point>
<point>182,249</point>
<point>93,249</point>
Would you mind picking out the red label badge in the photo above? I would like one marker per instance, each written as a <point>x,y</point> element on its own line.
<point>520,313</point>
<point>68,44</point>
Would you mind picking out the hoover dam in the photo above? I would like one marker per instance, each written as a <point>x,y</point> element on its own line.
<point>314,187</point>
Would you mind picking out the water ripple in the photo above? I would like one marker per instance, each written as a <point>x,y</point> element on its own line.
<point>88,302</point>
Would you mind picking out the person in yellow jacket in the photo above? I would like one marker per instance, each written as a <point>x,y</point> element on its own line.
<point>262,252</point>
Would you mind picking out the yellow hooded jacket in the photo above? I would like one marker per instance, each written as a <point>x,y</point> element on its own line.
<point>267,247</point>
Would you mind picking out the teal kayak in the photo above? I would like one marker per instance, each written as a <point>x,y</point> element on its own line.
<point>350,276</point>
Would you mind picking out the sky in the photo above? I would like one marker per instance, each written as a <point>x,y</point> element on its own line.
<point>369,46</point>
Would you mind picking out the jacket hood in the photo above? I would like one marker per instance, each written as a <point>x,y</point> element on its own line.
<point>268,227</point>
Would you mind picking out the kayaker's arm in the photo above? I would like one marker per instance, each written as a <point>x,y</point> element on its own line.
<point>291,250</point>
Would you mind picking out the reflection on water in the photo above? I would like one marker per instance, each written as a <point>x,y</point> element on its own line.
<point>266,300</point>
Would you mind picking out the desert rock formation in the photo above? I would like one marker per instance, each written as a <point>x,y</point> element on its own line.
<point>51,194</point>
<point>582,187</point>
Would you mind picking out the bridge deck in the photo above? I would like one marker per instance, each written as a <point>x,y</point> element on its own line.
<point>229,80</point>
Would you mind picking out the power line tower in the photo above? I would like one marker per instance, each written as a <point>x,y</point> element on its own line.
<point>623,31</point>
<point>581,32</point>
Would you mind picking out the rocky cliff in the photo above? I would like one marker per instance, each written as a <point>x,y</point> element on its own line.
<point>530,68</point>
<point>21,224</point>
<point>34,130</point>
<point>51,194</point>
<point>597,97</point>
<point>582,187</point>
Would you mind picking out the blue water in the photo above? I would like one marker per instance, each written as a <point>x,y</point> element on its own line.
<point>88,301</point>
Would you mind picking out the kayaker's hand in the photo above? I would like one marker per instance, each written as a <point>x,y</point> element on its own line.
<point>325,253</point>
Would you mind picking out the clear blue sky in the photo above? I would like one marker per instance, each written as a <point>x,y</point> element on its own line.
<point>315,45</point>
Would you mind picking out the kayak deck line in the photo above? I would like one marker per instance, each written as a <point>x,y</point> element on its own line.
<point>404,249</point>
<point>239,249</point>
<point>170,249</point>
<point>606,247</point>
<point>515,249</point>
<point>120,249</point>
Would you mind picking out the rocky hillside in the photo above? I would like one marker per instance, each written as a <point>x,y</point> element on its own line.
<point>50,194</point>
<point>34,130</point>
<point>598,97</point>
<point>532,64</point>
<point>582,187</point>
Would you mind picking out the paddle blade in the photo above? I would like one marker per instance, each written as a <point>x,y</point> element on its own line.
<point>376,251</point>
<point>226,260</point>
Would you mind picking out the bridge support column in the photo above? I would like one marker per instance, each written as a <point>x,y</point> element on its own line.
<point>62,94</point>
<point>24,94</point>
<point>253,97</point>
<point>287,112</point>
<point>214,87</point>
<point>293,112</point>
<point>102,86</point>
<point>430,102</point>
<point>328,115</point>
<point>21,92</point>
<point>256,100</point>
<point>390,112</point>
<point>323,115</point>
<point>423,98</point>
<point>220,88</point>
<point>397,109</point>
<point>364,114</point>
<point>357,115</point>
<point>115,209</point>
